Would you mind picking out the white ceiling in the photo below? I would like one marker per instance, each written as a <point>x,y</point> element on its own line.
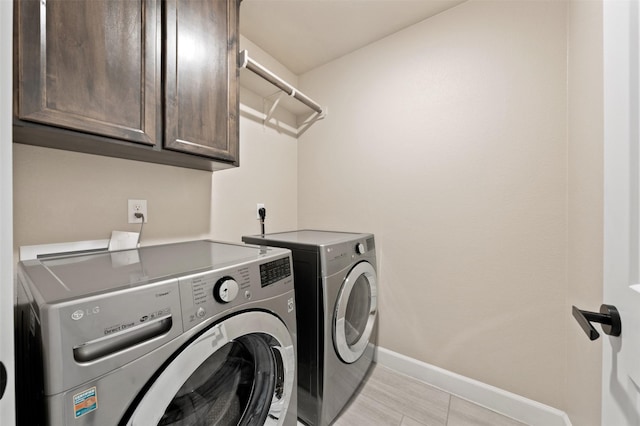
<point>304,34</point>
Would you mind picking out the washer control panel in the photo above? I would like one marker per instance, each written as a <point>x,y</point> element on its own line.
<point>207,294</point>
<point>274,271</point>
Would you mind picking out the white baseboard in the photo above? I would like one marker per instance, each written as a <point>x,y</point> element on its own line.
<point>509,404</point>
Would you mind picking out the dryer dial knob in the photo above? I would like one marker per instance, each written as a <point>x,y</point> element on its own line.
<point>360,248</point>
<point>225,290</point>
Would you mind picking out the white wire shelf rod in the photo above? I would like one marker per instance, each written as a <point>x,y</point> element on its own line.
<point>251,65</point>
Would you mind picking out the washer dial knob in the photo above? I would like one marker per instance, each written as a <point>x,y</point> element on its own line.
<point>360,248</point>
<point>225,290</point>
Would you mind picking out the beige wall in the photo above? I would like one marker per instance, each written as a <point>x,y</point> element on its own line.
<point>585,207</point>
<point>62,196</point>
<point>448,141</point>
<point>267,175</point>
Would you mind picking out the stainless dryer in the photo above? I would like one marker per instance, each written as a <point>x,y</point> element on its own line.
<point>196,333</point>
<point>336,299</point>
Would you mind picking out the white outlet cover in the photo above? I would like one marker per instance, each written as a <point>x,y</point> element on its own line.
<point>137,206</point>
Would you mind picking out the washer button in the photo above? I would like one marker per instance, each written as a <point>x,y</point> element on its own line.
<point>201,312</point>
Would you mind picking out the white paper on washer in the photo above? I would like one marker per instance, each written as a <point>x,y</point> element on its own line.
<point>121,240</point>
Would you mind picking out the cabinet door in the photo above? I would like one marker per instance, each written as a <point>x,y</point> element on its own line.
<point>201,78</point>
<point>92,66</point>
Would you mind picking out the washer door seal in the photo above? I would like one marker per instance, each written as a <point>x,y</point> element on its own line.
<point>356,311</point>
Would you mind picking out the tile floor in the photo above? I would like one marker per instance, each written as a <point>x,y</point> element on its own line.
<point>389,398</point>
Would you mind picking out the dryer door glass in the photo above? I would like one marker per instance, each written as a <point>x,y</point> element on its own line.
<point>355,312</point>
<point>238,372</point>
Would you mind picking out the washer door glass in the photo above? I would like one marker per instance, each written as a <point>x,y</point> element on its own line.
<point>356,311</point>
<point>219,392</point>
<point>230,375</point>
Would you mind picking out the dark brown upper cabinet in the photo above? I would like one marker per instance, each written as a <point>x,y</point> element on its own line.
<point>91,66</point>
<point>137,79</point>
<point>201,77</point>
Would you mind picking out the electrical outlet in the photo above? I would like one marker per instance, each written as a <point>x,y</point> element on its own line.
<point>260,206</point>
<point>137,206</point>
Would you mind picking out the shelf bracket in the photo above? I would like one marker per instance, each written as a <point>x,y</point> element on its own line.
<point>269,114</point>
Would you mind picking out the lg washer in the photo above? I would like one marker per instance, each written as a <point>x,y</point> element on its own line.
<point>196,333</point>
<point>336,301</point>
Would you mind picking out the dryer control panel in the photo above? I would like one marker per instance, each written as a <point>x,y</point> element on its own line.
<point>337,257</point>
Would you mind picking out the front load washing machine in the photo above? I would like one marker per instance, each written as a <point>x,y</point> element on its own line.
<point>196,333</point>
<point>336,300</point>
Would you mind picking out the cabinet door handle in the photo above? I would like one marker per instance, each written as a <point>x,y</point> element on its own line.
<point>608,316</point>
